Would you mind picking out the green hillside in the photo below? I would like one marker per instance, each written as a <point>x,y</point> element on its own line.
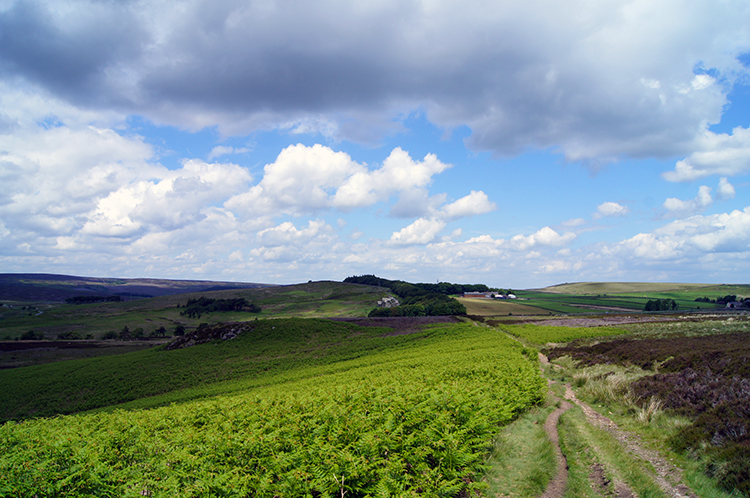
<point>290,407</point>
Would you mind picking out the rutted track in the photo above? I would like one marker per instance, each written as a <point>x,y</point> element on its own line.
<point>666,475</point>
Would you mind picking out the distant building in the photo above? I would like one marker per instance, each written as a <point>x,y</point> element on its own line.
<point>481,295</point>
<point>388,302</point>
<point>735,305</point>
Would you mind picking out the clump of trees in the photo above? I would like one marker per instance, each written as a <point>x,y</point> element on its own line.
<point>93,299</point>
<point>70,336</point>
<point>660,305</point>
<point>419,299</point>
<point>138,333</point>
<point>406,289</point>
<point>32,336</point>
<point>194,308</point>
<point>729,298</point>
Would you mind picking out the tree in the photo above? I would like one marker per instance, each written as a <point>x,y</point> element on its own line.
<point>179,330</point>
<point>32,336</point>
<point>125,333</point>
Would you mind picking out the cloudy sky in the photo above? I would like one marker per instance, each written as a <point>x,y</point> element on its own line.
<point>511,143</point>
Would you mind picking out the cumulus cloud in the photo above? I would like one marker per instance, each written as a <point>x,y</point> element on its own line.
<point>421,231</point>
<point>695,236</point>
<point>716,154</point>
<point>310,179</point>
<point>544,237</point>
<point>611,209</point>
<point>680,209</point>
<point>725,190</point>
<point>473,204</point>
<point>597,82</point>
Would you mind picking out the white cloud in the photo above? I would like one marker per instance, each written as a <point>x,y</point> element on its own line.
<point>575,222</point>
<point>716,154</point>
<point>544,237</point>
<point>220,150</point>
<point>611,209</point>
<point>306,180</point>
<point>473,204</point>
<point>422,231</point>
<point>696,237</point>
<point>680,209</point>
<point>725,190</point>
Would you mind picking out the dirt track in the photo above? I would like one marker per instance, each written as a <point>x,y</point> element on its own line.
<point>666,475</point>
<point>556,487</point>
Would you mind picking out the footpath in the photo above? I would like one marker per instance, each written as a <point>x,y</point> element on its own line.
<point>664,473</point>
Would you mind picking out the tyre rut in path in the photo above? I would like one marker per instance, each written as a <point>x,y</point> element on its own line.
<point>556,487</point>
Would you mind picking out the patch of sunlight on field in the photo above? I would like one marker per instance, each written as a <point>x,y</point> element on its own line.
<point>493,307</point>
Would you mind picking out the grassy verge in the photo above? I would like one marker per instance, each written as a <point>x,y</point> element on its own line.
<point>523,460</point>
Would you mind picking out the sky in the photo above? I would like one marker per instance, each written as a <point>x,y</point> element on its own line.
<point>516,144</point>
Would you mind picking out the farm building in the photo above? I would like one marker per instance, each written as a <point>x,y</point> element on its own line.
<point>388,302</point>
<point>482,295</point>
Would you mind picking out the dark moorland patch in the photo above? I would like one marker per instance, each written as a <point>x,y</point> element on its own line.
<point>706,378</point>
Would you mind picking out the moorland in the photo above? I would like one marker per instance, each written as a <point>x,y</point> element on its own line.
<point>295,391</point>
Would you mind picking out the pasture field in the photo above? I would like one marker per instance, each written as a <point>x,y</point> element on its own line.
<point>494,307</point>
<point>622,297</point>
<point>412,415</point>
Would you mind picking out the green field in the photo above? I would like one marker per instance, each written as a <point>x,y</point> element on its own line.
<point>623,296</point>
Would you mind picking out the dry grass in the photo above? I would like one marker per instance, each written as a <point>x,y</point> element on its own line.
<point>498,307</point>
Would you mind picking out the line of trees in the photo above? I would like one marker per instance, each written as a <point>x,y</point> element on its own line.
<point>194,308</point>
<point>729,298</point>
<point>406,289</point>
<point>93,299</point>
<point>660,305</point>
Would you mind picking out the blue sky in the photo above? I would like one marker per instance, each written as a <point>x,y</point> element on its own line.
<point>514,144</point>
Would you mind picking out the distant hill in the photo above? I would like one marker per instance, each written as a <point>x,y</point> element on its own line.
<point>596,288</point>
<point>57,288</point>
